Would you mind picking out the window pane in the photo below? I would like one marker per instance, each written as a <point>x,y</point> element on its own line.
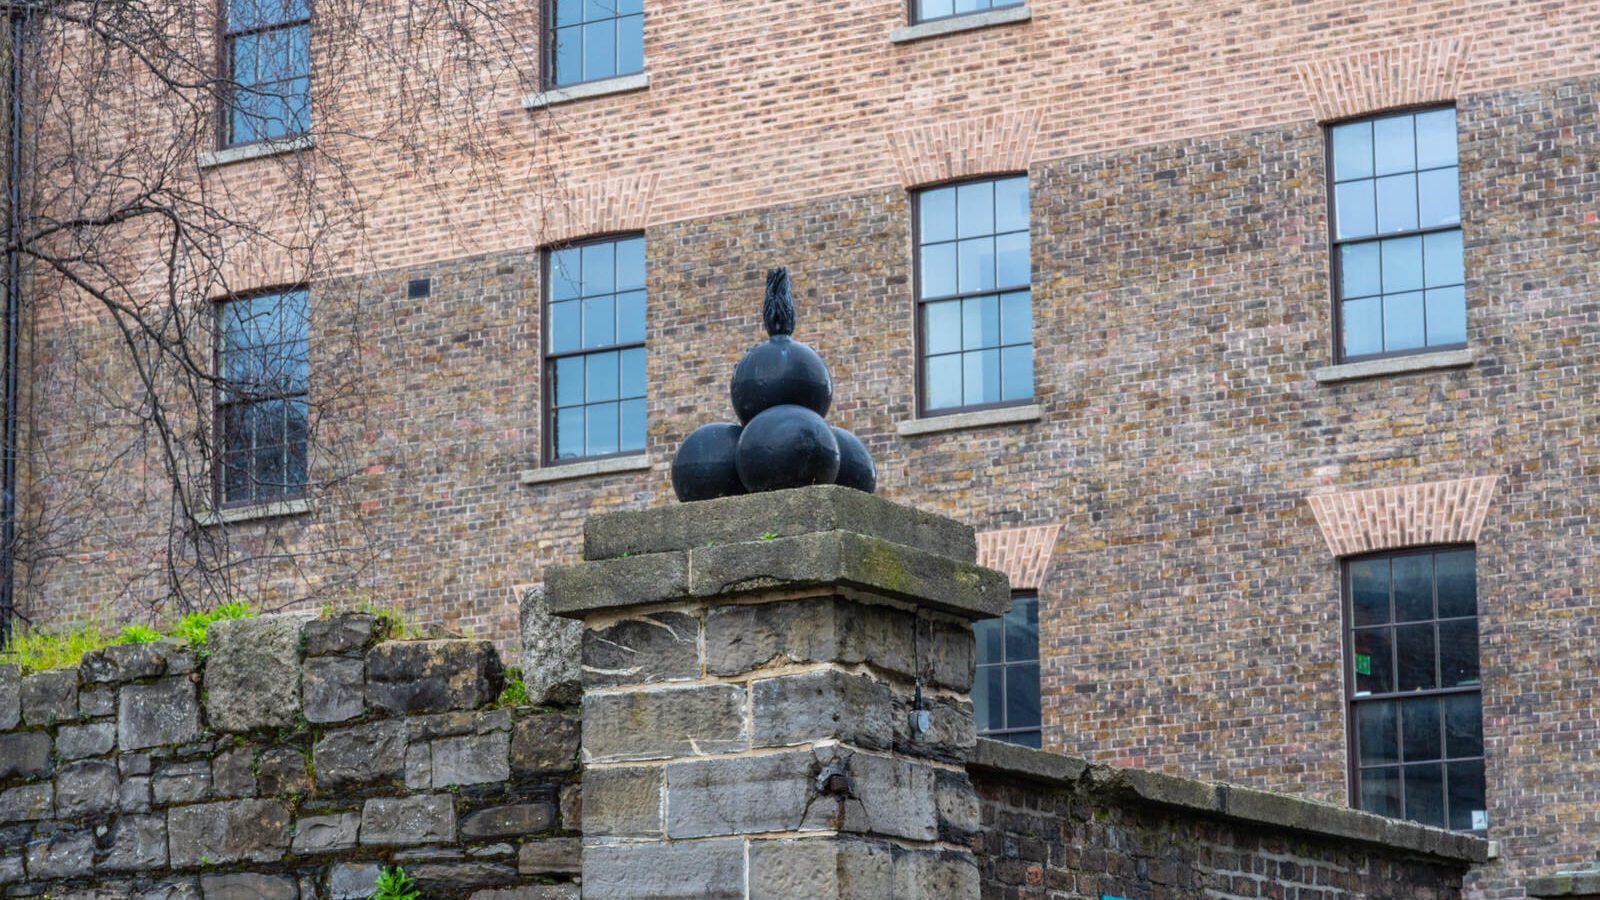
<point>933,9</point>
<point>632,425</point>
<point>565,273</point>
<point>297,423</point>
<point>1016,373</point>
<point>1403,324</point>
<point>564,326</point>
<point>1358,270</point>
<point>294,467</point>
<point>988,698</point>
<point>1023,739</point>
<point>980,323</point>
<point>1425,794</point>
<point>1441,255</point>
<point>595,10</point>
<point>1402,264</point>
<point>1352,151</point>
<point>1463,725</point>
<point>966,6</point>
<point>1374,661</point>
<point>568,386</point>
<point>569,55</point>
<point>938,215</point>
<point>1467,809</point>
<point>977,264</point>
<point>975,209</point>
<point>600,377</point>
<point>567,434</point>
<point>1363,326</point>
<point>1394,146</point>
<point>269,471</point>
<point>1440,197</point>
<point>987,633</point>
<point>942,324</point>
<point>630,264</point>
<point>1356,213</point>
<point>1011,204</point>
<point>1414,647</point>
<point>939,270</point>
<point>1419,730</point>
<point>569,12</point>
<point>1458,652</point>
<point>630,7</point>
<point>1016,318</point>
<point>630,45</point>
<point>599,49</point>
<point>631,364</point>
<point>1413,588</point>
<point>1436,138</point>
<point>630,318</point>
<point>980,377</point>
<point>1022,695</point>
<point>1011,255</point>
<point>601,436</point>
<point>1380,791</point>
<point>599,321</point>
<point>1022,630</point>
<point>1378,733</point>
<point>599,268</point>
<point>1397,203</point>
<point>1458,583</point>
<point>943,389</point>
<point>1447,316</point>
<point>236,478</point>
<point>1369,591</point>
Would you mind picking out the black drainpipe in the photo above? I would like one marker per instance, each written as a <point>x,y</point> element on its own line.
<point>8,468</point>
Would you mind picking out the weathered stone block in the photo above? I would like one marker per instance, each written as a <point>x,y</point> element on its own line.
<point>743,795</point>
<point>471,759</point>
<point>233,772</point>
<point>129,662</point>
<point>80,741</point>
<point>545,743</point>
<point>956,802</point>
<point>68,854</point>
<point>26,803</point>
<point>50,697</point>
<point>11,868</point>
<point>248,886</point>
<point>163,712</point>
<point>614,583</point>
<point>281,771</point>
<point>425,728</point>
<point>551,648</point>
<point>661,646</point>
<point>451,878</point>
<point>133,796</point>
<point>934,873</point>
<point>819,869</point>
<point>510,820</point>
<point>24,754</point>
<point>701,870</point>
<point>425,819</point>
<point>530,892</point>
<point>325,834</point>
<point>889,796</point>
<point>951,731</point>
<point>253,674</point>
<point>333,688</point>
<point>352,881</point>
<point>745,637</point>
<point>181,782</point>
<point>96,703</point>
<point>87,788</point>
<point>227,832</point>
<point>419,767</point>
<point>433,676</point>
<point>362,754</point>
<point>551,856</point>
<point>796,709</point>
<point>622,802</point>
<point>662,722</point>
<point>135,843</point>
<point>346,634</point>
<point>10,696</point>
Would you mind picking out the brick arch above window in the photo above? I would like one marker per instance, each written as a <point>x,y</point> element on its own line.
<point>608,206</point>
<point>1360,84</point>
<point>1412,515</point>
<point>1023,554</point>
<point>936,152</point>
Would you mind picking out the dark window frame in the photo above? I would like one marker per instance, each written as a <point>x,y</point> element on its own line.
<point>919,323</point>
<point>547,359</point>
<point>219,406</point>
<point>548,45</point>
<point>914,19</point>
<point>1336,280</point>
<point>225,39</point>
<point>1007,733</point>
<point>1352,701</point>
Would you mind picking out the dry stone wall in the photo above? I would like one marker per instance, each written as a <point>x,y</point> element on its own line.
<point>295,761</point>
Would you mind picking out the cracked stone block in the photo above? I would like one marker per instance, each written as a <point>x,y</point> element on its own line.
<point>622,802</point>
<point>326,834</point>
<point>951,735</point>
<point>24,755</point>
<point>745,637</point>
<point>68,854</point>
<point>11,695</point>
<point>647,649</point>
<point>798,709</point>
<point>240,885</point>
<point>472,759</point>
<point>365,753</point>
<point>545,743</point>
<point>26,803</point>
<point>86,788</point>
<point>334,689</point>
<point>425,819</point>
<point>664,721</point>
<point>743,795</point>
<point>162,712</point>
<point>511,820</point>
<point>135,843</point>
<point>701,870</point>
<point>344,634</point>
<point>890,796</point>
<point>80,741</point>
<point>227,832</point>
<point>551,649</point>
<point>433,676</point>
<point>50,697</point>
<point>253,674</point>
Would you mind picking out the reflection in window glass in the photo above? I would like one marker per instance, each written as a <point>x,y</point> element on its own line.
<point>926,10</point>
<point>594,351</point>
<point>1005,695</point>
<point>595,39</point>
<point>267,55</point>
<point>262,415</point>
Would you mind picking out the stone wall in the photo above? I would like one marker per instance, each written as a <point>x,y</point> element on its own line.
<point>293,761</point>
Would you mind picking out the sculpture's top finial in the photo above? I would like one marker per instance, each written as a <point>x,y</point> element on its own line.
<point>778,309</point>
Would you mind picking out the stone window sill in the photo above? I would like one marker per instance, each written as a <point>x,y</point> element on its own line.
<point>259,150</point>
<point>1006,415</point>
<point>568,471</point>
<point>274,510</point>
<point>622,84</point>
<point>957,24</point>
<point>1395,365</point>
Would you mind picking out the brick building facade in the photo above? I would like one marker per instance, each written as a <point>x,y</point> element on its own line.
<point>1194,458</point>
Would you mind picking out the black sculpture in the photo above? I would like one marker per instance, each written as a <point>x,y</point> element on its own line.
<point>780,392</point>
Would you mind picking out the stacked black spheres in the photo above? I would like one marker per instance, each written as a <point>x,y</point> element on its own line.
<point>780,392</point>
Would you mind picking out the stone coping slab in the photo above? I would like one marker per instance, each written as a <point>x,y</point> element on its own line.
<point>736,520</point>
<point>822,562</point>
<point>1580,883</point>
<point>1228,802</point>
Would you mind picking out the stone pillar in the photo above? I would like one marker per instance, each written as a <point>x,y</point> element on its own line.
<point>777,698</point>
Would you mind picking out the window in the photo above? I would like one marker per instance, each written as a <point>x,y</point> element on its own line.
<point>595,39</point>
<point>1005,691</point>
<point>1398,277</point>
<point>261,415</point>
<point>1416,705</point>
<point>924,10</point>
<point>267,57</point>
<point>594,359</point>
<point>975,308</point>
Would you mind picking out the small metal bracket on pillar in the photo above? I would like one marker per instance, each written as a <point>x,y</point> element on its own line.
<point>752,668</point>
